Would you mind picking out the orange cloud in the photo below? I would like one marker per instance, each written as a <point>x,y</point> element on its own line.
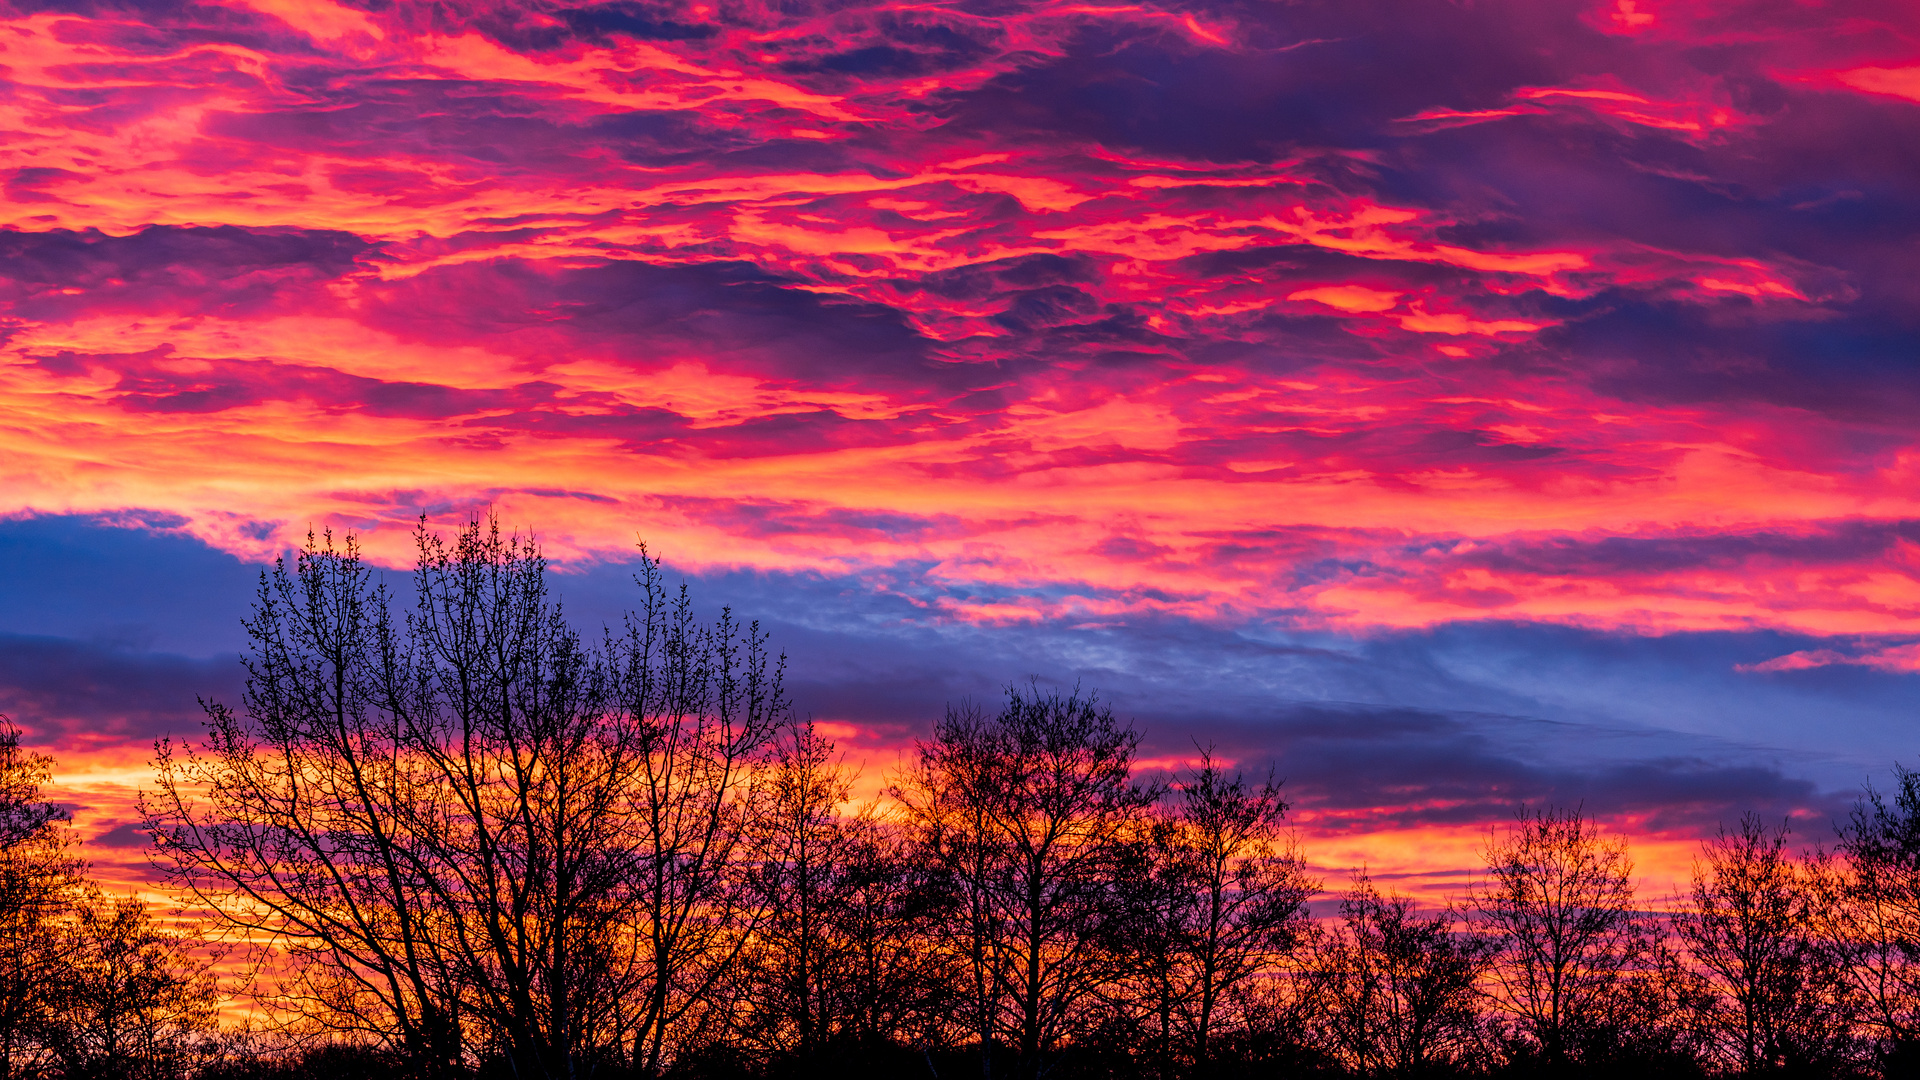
<point>1349,298</point>
<point>1901,82</point>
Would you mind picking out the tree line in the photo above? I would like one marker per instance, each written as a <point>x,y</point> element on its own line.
<point>468,840</point>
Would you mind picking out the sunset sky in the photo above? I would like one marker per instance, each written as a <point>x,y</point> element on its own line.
<point>1457,405</point>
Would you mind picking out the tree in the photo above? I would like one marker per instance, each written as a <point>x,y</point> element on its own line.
<point>1252,890</point>
<point>1161,885</point>
<point>24,816</point>
<point>37,881</point>
<point>1030,812</point>
<point>475,835</point>
<point>1395,989</point>
<point>1558,900</point>
<point>837,976</point>
<point>89,988</point>
<point>945,799</point>
<point>800,970</point>
<point>295,821</point>
<point>1221,901</point>
<point>1870,909</point>
<point>132,1000</point>
<point>1776,997</point>
<point>888,902</point>
<point>519,775</point>
<point>704,704</point>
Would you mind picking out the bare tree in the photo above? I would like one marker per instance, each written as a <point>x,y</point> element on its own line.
<point>1221,901</point>
<point>1777,1000</point>
<point>472,834</point>
<point>1396,990</point>
<point>88,987</point>
<point>132,1000</point>
<point>889,903</point>
<point>1253,889</point>
<point>1558,900</point>
<point>704,704</point>
<point>1870,909</point>
<point>38,879</point>
<point>837,976</point>
<point>945,798</point>
<point>798,966</point>
<point>519,815</point>
<point>24,816</point>
<point>1030,811</point>
<point>1161,885</point>
<point>294,821</point>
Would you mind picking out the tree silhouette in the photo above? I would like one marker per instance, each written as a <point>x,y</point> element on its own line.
<point>475,836</point>
<point>473,841</point>
<point>38,877</point>
<point>1558,902</point>
<point>1220,901</point>
<point>1870,909</point>
<point>132,1000</point>
<point>1030,811</point>
<point>1396,990</point>
<point>1776,1001</point>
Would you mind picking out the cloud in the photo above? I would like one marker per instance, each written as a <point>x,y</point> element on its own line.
<point>128,580</point>
<point>75,697</point>
<point>1356,322</point>
<point>1363,768</point>
<point>1406,734</point>
<point>160,270</point>
<point>1893,658</point>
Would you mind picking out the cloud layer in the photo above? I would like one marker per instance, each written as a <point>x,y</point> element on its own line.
<point>1366,320</point>
<point>1397,748</point>
<point>1325,312</point>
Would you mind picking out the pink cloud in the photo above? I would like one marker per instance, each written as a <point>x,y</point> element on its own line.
<point>1890,658</point>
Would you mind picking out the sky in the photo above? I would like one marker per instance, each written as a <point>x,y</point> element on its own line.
<point>1453,406</point>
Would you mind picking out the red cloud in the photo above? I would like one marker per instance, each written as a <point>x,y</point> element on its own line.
<point>1095,288</point>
